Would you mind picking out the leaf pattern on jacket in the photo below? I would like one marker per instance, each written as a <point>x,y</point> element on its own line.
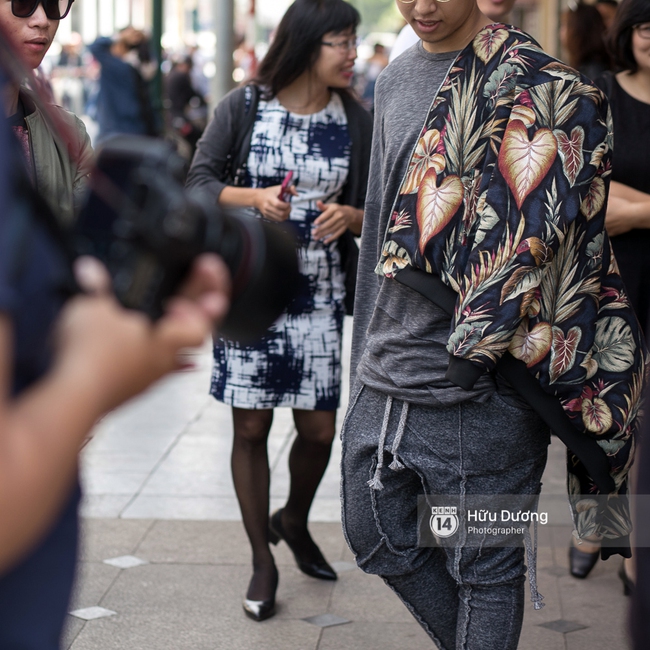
<point>436,205</point>
<point>524,162</point>
<point>570,150</point>
<point>513,222</point>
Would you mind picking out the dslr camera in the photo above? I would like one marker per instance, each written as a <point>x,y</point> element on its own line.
<point>148,230</point>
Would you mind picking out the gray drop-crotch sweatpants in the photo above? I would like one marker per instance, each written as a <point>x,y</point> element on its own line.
<point>465,598</point>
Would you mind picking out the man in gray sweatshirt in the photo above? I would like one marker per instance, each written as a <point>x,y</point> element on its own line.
<point>435,437</point>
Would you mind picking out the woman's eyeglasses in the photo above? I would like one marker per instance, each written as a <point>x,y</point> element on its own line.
<point>643,30</point>
<point>343,46</point>
<point>54,9</point>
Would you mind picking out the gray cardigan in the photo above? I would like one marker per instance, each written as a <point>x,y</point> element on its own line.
<point>211,161</point>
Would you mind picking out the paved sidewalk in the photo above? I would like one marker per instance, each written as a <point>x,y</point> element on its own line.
<point>158,488</point>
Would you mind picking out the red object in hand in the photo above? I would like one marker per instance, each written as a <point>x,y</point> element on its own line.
<point>285,186</point>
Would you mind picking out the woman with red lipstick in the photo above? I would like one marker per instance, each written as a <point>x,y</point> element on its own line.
<point>57,168</point>
<point>303,119</point>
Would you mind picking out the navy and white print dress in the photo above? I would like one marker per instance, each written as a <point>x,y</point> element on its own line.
<point>298,362</point>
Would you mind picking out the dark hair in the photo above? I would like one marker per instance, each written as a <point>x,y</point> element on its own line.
<point>630,13</point>
<point>586,36</point>
<point>611,3</point>
<point>297,42</point>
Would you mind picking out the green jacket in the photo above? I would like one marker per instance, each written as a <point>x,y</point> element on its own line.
<point>62,156</point>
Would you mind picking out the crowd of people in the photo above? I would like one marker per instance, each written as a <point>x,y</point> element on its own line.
<point>499,292</point>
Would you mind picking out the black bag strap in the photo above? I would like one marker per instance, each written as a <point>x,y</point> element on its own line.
<point>242,145</point>
<point>516,373</point>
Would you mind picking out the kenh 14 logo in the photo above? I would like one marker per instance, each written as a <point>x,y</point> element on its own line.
<point>444,521</point>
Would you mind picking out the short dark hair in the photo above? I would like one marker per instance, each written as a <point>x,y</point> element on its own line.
<point>297,41</point>
<point>629,14</point>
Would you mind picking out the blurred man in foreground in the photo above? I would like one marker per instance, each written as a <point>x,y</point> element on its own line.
<point>66,358</point>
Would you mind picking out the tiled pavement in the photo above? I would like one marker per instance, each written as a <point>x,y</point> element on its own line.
<point>158,489</point>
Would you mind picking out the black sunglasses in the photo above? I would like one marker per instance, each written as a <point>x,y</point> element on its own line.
<point>54,9</point>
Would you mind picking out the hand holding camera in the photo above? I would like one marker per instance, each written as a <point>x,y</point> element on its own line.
<point>111,353</point>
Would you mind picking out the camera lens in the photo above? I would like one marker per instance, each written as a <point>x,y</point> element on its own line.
<point>262,259</point>
<point>147,230</point>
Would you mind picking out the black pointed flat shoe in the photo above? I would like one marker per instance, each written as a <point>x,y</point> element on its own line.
<point>580,562</point>
<point>311,562</point>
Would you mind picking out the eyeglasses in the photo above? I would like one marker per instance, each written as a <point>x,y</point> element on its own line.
<point>54,9</point>
<point>643,30</point>
<point>343,46</point>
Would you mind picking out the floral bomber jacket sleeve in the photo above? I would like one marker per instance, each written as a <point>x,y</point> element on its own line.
<point>505,198</point>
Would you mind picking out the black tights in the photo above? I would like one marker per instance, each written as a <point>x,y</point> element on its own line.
<point>308,460</point>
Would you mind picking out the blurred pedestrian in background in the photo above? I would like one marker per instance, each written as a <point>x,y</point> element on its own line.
<point>373,66</point>
<point>69,76</point>
<point>124,100</point>
<point>187,107</point>
<point>628,207</point>
<point>64,361</point>
<point>607,10</point>
<point>582,35</point>
<point>57,167</point>
<point>299,117</point>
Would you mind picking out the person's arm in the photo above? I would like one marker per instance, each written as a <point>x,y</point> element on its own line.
<point>101,50</point>
<point>105,355</point>
<point>368,282</point>
<point>208,171</point>
<point>84,162</point>
<point>627,209</point>
<point>514,245</point>
<point>264,200</point>
<point>209,166</point>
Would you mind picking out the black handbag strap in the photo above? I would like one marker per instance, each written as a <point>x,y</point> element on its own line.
<point>245,125</point>
<point>515,372</point>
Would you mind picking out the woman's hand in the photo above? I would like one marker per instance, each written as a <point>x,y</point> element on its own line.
<point>270,206</point>
<point>627,209</point>
<point>111,353</point>
<point>618,219</point>
<point>334,220</point>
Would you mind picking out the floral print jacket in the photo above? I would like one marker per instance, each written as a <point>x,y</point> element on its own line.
<point>505,198</point>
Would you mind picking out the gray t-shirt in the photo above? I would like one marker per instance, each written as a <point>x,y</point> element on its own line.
<point>400,337</point>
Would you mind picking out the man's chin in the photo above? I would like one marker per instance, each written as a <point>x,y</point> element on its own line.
<point>429,36</point>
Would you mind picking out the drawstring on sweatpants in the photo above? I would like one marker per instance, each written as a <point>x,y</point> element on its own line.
<point>375,483</point>
<point>531,559</point>
<point>397,465</point>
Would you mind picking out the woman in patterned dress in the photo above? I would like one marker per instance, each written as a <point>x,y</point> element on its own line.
<point>308,123</point>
